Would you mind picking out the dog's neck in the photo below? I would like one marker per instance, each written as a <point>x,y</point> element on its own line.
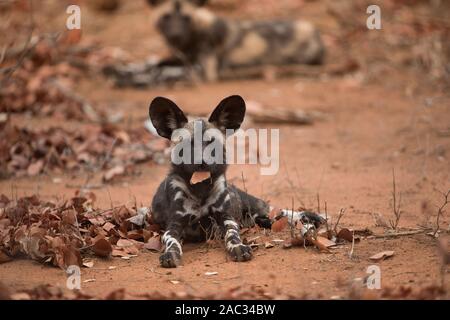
<point>200,190</point>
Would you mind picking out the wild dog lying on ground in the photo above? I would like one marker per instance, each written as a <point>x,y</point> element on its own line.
<point>199,37</point>
<point>187,209</point>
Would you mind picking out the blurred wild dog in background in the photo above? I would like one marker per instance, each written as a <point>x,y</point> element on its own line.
<point>199,37</point>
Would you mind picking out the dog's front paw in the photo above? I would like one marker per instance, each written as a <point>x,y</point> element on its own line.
<point>240,252</point>
<point>170,259</point>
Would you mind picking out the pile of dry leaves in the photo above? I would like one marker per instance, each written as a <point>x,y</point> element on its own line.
<point>39,79</point>
<point>106,147</point>
<point>48,292</point>
<point>61,233</point>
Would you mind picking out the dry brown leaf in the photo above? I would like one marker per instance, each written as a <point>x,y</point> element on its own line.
<point>268,245</point>
<point>123,243</point>
<point>88,263</point>
<point>347,235</point>
<point>326,242</point>
<point>382,255</point>
<point>280,224</point>
<point>153,244</point>
<point>119,253</point>
<point>98,220</point>
<point>135,235</point>
<point>114,172</point>
<point>69,217</point>
<point>102,247</point>
<point>108,226</point>
<point>321,243</point>
<point>35,168</point>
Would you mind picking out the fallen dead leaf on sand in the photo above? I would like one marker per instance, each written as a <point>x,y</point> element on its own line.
<point>153,244</point>
<point>382,255</point>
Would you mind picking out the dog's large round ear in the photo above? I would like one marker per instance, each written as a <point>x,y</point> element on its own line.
<point>166,116</point>
<point>229,114</point>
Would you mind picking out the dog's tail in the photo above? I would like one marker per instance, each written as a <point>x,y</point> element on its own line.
<point>250,210</point>
<point>256,211</point>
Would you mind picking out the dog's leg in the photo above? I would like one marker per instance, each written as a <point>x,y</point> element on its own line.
<point>233,243</point>
<point>171,258</point>
<point>210,67</point>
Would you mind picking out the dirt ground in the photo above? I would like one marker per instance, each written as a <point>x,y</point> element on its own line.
<point>347,158</point>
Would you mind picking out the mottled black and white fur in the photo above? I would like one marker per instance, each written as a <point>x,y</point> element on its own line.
<point>189,211</point>
<point>217,44</point>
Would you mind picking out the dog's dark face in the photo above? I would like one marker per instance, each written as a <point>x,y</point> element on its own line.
<point>199,144</point>
<point>176,21</point>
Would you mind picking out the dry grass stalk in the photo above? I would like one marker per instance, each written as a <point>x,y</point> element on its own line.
<point>396,205</point>
<point>441,210</point>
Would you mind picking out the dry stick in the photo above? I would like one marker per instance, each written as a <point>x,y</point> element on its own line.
<point>292,220</point>
<point>318,203</point>
<point>350,254</point>
<point>396,208</point>
<point>110,199</point>
<point>341,213</point>
<point>26,48</point>
<point>441,211</point>
<point>326,219</point>
<point>397,234</point>
<point>78,226</point>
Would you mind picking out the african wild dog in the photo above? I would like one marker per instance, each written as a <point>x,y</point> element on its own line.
<point>216,44</point>
<point>189,210</point>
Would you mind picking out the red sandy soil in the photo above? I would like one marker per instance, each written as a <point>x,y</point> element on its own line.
<point>347,158</point>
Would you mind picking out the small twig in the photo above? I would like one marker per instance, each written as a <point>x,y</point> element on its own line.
<point>326,219</point>
<point>341,213</point>
<point>397,234</point>
<point>441,211</point>
<point>396,207</point>
<point>292,219</point>
<point>318,203</point>
<point>26,47</point>
<point>110,199</point>
<point>350,254</point>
